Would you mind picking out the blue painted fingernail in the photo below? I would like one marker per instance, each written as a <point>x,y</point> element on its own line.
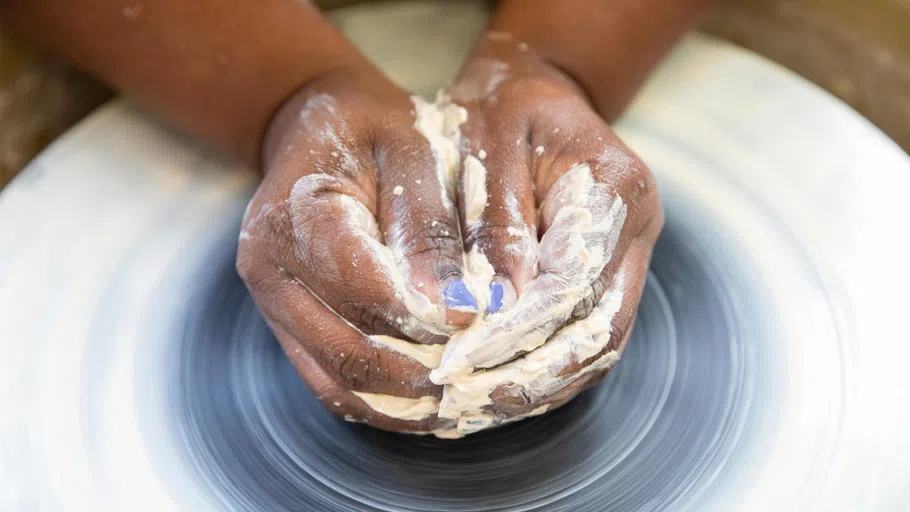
<point>457,295</point>
<point>497,292</point>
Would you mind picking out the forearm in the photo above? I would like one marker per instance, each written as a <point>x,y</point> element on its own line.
<point>607,46</point>
<point>218,69</point>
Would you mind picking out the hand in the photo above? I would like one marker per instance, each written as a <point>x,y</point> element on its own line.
<point>551,167</point>
<point>352,247</point>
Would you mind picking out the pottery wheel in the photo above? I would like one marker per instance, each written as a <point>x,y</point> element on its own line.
<point>767,370</point>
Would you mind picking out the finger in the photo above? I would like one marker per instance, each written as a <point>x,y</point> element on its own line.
<point>498,212</point>
<point>417,215</point>
<point>582,370</point>
<point>584,221</point>
<point>356,361</point>
<point>626,175</point>
<point>405,415</point>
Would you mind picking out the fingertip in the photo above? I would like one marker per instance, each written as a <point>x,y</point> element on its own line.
<point>459,319</point>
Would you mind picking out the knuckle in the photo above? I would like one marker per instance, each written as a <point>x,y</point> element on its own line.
<point>310,223</point>
<point>272,232</point>
<point>268,249</point>
<point>249,268</point>
<point>495,232</point>
<point>396,149</point>
<point>257,272</point>
<point>440,241</point>
<point>357,368</point>
<point>587,305</point>
<point>245,260</point>
<point>616,162</point>
<point>368,320</point>
<point>582,309</point>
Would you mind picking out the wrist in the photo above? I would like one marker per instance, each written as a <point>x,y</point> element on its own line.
<point>608,47</point>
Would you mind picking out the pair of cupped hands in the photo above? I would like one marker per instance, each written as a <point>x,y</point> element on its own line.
<point>366,258</point>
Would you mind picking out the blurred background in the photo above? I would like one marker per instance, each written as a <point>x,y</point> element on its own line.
<point>859,51</point>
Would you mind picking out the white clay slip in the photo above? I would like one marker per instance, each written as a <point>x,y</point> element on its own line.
<point>439,122</point>
<point>584,226</point>
<point>411,409</point>
<point>474,186</point>
<point>427,355</point>
<point>536,374</point>
<point>577,246</point>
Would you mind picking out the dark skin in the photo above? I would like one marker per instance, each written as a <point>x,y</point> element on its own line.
<point>275,85</point>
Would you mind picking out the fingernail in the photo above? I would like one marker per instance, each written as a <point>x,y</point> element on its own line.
<point>502,295</point>
<point>458,296</point>
<point>496,295</point>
